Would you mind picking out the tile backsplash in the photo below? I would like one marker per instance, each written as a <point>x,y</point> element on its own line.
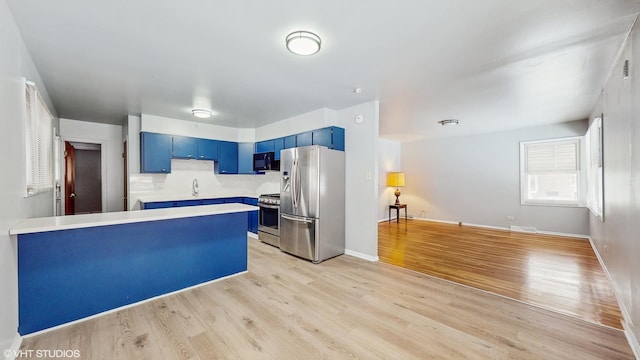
<point>183,172</point>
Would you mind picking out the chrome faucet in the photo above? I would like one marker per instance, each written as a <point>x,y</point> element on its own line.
<point>194,188</point>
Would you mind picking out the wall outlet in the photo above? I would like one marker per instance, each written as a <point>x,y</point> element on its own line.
<point>510,217</point>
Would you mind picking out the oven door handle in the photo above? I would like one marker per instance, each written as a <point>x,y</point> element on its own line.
<point>269,206</point>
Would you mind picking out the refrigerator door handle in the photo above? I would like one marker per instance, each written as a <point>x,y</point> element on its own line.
<point>294,183</point>
<point>308,221</point>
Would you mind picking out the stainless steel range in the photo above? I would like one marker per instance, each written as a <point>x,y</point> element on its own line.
<point>269,219</point>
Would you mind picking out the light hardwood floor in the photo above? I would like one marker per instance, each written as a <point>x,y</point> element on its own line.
<point>343,308</point>
<point>558,273</point>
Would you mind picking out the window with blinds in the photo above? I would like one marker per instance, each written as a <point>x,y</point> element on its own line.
<point>39,138</point>
<point>550,172</point>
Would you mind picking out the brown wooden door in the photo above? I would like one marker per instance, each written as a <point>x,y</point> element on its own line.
<point>69,179</point>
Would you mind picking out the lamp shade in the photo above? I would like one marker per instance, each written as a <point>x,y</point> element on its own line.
<point>395,179</point>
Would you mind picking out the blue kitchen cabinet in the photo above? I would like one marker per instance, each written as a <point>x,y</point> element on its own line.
<point>227,157</point>
<point>245,158</point>
<point>278,144</point>
<point>158,205</point>
<point>264,146</point>
<point>290,142</point>
<point>234,200</point>
<point>155,153</point>
<point>182,203</point>
<point>212,201</point>
<point>331,137</point>
<point>207,149</point>
<point>253,215</point>
<point>304,139</point>
<point>322,137</point>
<point>184,147</point>
<point>337,136</point>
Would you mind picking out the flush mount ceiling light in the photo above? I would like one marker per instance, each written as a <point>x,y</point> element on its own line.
<point>448,122</point>
<point>201,113</point>
<point>303,43</point>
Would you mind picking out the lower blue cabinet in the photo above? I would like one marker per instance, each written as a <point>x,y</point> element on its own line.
<point>158,205</point>
<point>212,201</point>
<point>252,215</point>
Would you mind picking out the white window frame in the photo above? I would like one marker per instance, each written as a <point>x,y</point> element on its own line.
<point>595,168</point>
<point>524,200</point>
<point>38,135</point>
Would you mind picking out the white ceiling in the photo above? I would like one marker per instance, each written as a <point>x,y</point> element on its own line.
<point>493,64</point>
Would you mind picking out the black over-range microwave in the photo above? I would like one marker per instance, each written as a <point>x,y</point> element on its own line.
<point>265,162</point>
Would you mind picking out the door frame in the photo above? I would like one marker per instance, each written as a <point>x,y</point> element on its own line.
<point>103,167</point>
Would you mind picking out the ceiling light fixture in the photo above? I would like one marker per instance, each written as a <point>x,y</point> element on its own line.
<point>201,113</point>
<point>303,43</point>
<point>449,122</point>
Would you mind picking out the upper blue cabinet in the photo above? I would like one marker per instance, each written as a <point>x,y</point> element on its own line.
<point>290,141</point>
<point>278,144</point>
<point>264,146</point>
<point>331,137</point>
<point>227,157</point>
<point>245,158</point>
<point>155,153</point>
<point>207,149</point>
<point>185,147</point>
<point>304,139</point>
<point>156,150</point>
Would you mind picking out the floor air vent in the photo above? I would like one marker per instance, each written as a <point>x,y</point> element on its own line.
<point>527,229</point>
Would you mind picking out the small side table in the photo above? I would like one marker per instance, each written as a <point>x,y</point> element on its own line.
<point>398,207</point>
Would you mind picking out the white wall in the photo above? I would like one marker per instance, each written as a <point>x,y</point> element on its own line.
<point>389,160</point>
<point>361,147</point>
<point>476,180</point>
<point>164,125</point>
<point>617,238</point>
<point>15,62</point>
<point>110,137</point>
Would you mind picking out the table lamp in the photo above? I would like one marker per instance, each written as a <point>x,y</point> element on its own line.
<point>396,180</point>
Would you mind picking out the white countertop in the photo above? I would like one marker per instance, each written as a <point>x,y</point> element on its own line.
<point>54,223</point>
<point>170,197</point>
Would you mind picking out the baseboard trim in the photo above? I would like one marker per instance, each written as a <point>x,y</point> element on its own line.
<point>132,305</point>
<point>623,309</point>
<point>626,317</point>
<point>543,232</point>
<point>252,235</point>
<point>633,341</point>
<point>10,353</point>
<point>361,255</point>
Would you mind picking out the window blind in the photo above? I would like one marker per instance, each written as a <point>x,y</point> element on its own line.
<point>38,133</point>
<point>552,156</point>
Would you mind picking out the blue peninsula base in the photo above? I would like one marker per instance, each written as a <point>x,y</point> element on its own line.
<point>70,274</point>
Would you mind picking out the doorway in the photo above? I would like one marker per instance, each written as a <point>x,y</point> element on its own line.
<point>82,178</point>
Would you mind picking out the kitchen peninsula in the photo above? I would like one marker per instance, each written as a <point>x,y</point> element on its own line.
<point>72,267</point>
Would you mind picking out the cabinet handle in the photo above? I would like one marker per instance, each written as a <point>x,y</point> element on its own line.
<point>201,156</point>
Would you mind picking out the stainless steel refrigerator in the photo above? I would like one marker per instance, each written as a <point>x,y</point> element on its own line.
<point>312,202</point>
